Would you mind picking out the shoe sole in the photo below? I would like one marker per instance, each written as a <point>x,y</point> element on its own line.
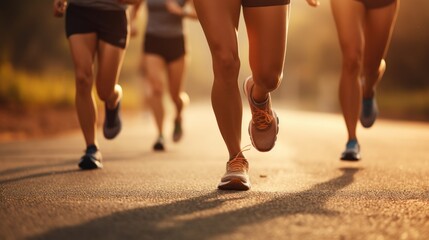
<point>234,184</point>
<point>111,133</point>
<point>90,165</point>
<point>177,137</point>
<point>350,157</point>
<point>159,148</point>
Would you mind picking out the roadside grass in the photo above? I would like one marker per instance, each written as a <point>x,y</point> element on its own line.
<point>29,91</point>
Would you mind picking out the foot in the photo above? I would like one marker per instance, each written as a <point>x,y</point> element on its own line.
<point>112,122</point>
<point>352,152</point>
<point>263,127</point>
<point>369,112</point>
<point>236,176</point>
<point>178,131</point>
<point>91,159</point>
<point>159,144</point>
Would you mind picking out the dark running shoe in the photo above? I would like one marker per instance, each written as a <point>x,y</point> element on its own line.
<point>112,122</point>
<point>352,152</point>
<point>91,159</point>
<point>178,131</point>
<point>159,144</point>
<point>369,112</point>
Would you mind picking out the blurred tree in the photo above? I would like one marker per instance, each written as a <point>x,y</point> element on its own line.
<point>409,52</point>
<point>31,38</point>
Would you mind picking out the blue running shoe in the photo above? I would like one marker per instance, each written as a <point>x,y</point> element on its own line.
<point>112,122</point>
<point>369,112</point>
<point>352,152</point>
<point>91,159</point>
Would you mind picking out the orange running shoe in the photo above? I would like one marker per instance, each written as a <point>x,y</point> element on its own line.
<point>264,126</point>
<point>236,176</point>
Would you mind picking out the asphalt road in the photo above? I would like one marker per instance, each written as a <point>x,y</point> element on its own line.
<point>300,190</point>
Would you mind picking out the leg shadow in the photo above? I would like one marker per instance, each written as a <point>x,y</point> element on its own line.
<point>168,221</point>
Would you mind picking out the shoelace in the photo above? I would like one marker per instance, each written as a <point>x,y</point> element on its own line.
<point>262,119</point>
<point>238,163</point>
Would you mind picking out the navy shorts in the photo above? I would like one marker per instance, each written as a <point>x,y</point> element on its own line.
<point>369,4</point>
<point>110,26</point>
<point>168,48</point>
<point>263,3</point>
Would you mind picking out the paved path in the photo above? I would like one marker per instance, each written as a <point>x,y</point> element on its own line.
<point>300,189</point>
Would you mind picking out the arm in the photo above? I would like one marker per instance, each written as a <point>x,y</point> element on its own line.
<point>186,12</point>
<point>59,7</point>
<point>313,3</point>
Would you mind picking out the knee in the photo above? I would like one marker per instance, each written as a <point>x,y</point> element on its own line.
<point>268,80</point>
<point>84,80</point>
<point>226,63</point>
<point>153,90</point>
<point>352,61</point>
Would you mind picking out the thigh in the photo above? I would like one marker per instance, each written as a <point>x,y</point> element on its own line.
<point>267,32</point>
<point>154,68</point>
<point>109,64</point>
<point>83,48</point>
<point>349,18</point>
<point>219,20</point>
<point>378,30</point>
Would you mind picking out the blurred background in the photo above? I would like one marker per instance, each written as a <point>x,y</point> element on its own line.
<point>37,83</point>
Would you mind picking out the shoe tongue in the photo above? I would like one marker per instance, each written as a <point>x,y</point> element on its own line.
<point>351,144</point>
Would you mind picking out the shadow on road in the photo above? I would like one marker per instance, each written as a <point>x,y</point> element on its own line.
<point>67,163</point>
<point>199,218</point>
<point>37,175</point>
<point>34,167</point>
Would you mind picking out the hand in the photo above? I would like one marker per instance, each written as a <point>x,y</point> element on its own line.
<point>130,1</point>
<point>59,7</point>
<point>313,3</point>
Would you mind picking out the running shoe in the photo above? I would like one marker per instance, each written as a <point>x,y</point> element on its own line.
<point>369,112</point>
<point>236,176</point>
<point>91,159</point>
<point>112,122</point>
<point>263,127</point>
<point>352,152</point>
<point>178,131</point>
<point>159,144</point>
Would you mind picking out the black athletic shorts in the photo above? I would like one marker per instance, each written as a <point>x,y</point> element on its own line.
<point>110,26</point>
<point>263,3</point>
<point>376,3</point>
<point>169,48</point>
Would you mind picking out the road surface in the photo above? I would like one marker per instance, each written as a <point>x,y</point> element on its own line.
<point>300,190</point>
